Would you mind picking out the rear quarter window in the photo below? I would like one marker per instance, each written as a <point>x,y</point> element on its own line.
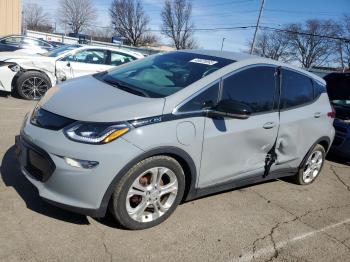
<point>319,89</point>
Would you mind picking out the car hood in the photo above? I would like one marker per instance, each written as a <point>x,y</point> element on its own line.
<point>37,62</point>
<point>89,99</point>
<point>4,56</point>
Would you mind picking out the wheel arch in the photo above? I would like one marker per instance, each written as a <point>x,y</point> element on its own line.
<point>324,141</point>
<point>184,159</point>
<point>14,80</point>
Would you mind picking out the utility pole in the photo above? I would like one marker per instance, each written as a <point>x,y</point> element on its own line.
<point>222,43</point>
<point>257,27</point>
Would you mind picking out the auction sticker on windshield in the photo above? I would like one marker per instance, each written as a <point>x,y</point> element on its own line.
<point>203,61</point>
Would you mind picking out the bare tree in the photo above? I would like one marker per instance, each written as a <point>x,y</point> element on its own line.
<point>149,39</point>
<point>177,24</point>
<point>272,45</point>
<point>307,44</point>
<point>343,46</point>
<point>35,18</point>
<point>129,20</point>
<point>77,14</point>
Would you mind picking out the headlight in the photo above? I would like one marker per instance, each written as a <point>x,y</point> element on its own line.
<point>13,66</point>
<point>96,133</point>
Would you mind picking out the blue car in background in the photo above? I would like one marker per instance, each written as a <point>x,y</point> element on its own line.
<point>26,44</point>
<point>338,87</point>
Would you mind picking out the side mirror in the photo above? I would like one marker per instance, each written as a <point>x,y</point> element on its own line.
<point>230,108</point>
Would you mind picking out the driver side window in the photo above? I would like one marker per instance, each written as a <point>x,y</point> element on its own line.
<point>205,99</point>
<point>88,56</point>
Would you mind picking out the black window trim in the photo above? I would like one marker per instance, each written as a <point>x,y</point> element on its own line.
<point>312,83</point>
<point>277,83</point>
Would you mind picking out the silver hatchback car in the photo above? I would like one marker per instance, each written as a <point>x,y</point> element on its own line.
<point>143,137</point>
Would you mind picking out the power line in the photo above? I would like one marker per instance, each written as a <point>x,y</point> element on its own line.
<point>304,33</point>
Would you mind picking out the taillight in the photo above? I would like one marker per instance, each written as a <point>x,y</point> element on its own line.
<point>331,114</point>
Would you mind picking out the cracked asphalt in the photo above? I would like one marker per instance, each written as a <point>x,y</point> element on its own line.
<point>274,221</point>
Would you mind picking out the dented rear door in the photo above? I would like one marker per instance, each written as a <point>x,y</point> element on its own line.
<point>302,119</point>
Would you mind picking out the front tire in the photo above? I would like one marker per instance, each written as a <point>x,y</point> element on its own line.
<point>149,193</point>
<point>312,166</point>
<point>32,85</point>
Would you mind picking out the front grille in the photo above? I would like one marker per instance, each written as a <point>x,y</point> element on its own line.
<point>38,163</point>
<point>341,129</point>
<point>48,120</point>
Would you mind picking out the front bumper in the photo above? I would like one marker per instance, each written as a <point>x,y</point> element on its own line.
<point>76,189</point>
<point>6,77</point>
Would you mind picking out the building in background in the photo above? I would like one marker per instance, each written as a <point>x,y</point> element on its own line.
<point>10,17</point>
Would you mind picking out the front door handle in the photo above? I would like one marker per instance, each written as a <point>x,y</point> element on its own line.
<point>317,114</point>
<point>269,125</point>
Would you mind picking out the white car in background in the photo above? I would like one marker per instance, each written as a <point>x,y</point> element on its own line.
<point>30,76</point>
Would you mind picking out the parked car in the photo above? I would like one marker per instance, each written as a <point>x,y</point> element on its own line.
<point>30,76</point>
<point>56,44</point>
<point>8,48</point>
<point>338,86</point>
<point>26,44</point>
<point>142,137</point>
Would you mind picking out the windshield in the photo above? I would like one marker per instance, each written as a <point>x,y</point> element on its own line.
<point>60,50</point>
<point>341,102</point>
<point>164,74</point>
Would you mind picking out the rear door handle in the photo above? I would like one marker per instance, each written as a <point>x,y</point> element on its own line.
<point>317,114</point>
<point>269,125</point>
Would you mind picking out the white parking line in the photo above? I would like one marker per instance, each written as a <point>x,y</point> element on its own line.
<point>270,250</point>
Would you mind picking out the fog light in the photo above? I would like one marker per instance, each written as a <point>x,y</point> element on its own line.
<point>87,164</point>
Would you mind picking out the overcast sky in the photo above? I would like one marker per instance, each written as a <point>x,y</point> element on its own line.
<point>227,13</point>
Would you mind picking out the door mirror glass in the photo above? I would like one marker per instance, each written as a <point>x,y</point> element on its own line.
<point>230,108</point>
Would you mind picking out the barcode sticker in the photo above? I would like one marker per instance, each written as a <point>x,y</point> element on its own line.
<point>203,61</point>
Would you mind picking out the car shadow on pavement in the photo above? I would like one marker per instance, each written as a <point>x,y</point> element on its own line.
<point>12,177</point>
<point>337,159</point>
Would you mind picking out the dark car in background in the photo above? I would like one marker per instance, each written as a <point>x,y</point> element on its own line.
<point>25,43</point>
<point>56,44</point>
<point>338,87</point>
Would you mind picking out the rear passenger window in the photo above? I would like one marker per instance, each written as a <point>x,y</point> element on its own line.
<point>297,89</point>
<point>255,87</point>
<point>319,89</point>
<point>205,99</point>
<point>119,58</point>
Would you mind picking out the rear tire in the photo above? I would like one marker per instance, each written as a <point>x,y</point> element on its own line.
<point>32,85</point>
<point>148,193</point>
<point>311,167</point>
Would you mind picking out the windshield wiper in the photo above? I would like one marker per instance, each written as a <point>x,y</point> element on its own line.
<point>126,88</point>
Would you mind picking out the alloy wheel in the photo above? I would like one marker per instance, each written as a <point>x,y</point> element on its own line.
<point>313,166</point>
<point>34,88</point>
<point>152,194</point>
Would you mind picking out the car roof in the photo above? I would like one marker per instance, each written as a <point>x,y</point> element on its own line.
<point>248,59</point>
<point>137,54</point>
<point>222,54</point>
<point>24,36</point>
